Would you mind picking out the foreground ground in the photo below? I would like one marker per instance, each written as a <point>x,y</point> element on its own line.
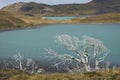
<point>20,75</point>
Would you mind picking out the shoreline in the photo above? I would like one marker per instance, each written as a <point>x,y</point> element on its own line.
<point>30,27</point>
<point>47,24</point>
<point>47,61</point>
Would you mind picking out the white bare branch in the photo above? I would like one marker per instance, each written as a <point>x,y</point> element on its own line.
<point>84,49</point>
<point>22,63</point>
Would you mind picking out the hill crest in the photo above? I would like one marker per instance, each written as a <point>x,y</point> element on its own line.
<point>92,8</point>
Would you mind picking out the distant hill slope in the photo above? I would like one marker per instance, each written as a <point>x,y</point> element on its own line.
<point>8,21</point>
<point>104,18</point>
<point>91,8</point>
<point>11,21</point>
<point>21,15</point>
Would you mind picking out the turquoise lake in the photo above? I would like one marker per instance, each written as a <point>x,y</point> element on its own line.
<point>66,18</point>
<point>59,18</point>
<point>32,42</point>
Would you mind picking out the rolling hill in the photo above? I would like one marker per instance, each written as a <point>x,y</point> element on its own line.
<point>103,18</point>
<point>21,15</point>
<point>8,21</point>
<point>37,9</point>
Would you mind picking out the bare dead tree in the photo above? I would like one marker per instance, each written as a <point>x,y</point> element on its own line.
<point>73,43</point>
<point>6,64</point>
<point>21,63</point>
<point>108,63</point>
<point>99,50</point>
<point>84,49</point>
<point>65,61</point>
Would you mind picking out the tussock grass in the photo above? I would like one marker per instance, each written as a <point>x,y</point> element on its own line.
<point>104,18</point>
<point>9,21</point>
<point>21,75</point>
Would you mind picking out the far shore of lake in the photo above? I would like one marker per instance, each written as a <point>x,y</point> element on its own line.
<point>55,22</point>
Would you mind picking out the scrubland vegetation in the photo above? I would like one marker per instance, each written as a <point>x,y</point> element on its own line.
<point>20,75</point>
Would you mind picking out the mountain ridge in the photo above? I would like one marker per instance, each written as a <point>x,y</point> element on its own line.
<point>91,8</point>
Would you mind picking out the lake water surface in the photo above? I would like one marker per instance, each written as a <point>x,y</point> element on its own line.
<point>32,42</point>
<point>66,18</point>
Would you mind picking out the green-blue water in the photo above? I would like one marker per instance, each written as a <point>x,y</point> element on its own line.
<point>66,18</point>
<point>59,18</point>
<point>32,42</point>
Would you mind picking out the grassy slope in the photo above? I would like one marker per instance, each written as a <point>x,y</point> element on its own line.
<point>15,21</point>
<point>8,21</point>
<point>20,75</point>
<point>40,20</point>
<point>104,18</point>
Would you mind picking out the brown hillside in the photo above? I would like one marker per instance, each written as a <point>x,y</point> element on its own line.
<point>8,21</point>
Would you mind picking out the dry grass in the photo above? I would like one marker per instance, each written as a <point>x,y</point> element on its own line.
<point>41,20</point>
<point>10,21</point>
<point>20,75</point>
<point>104,18</point>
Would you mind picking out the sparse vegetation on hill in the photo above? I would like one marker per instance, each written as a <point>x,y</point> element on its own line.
<point>104,18</point>
<point>91,8</point>
<point>8,21</point>
<point>22,15</point>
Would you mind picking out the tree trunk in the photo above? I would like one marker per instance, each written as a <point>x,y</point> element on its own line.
<point>96,64</point>
<point>20,65</point>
